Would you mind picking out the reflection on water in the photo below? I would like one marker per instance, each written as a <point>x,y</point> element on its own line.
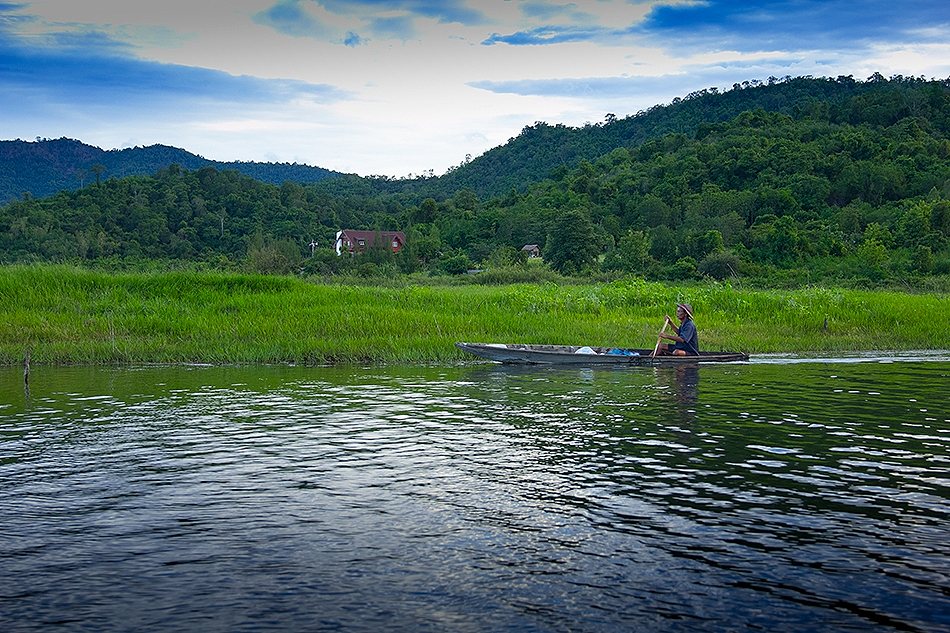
<point>745,497</point>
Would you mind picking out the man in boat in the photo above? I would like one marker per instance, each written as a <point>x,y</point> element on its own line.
<point>686,339</point>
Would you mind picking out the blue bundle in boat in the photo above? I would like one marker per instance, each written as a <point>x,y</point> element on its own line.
<point>616,351</point>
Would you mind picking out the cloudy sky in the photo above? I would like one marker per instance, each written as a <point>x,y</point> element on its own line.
<point>399,87</point>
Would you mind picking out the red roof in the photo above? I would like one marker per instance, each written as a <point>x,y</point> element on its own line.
<point>352,239</point>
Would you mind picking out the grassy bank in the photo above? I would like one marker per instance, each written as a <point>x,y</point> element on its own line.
<point>69,315</point>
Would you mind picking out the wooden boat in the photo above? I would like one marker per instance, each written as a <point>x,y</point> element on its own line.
<point>589,356</point>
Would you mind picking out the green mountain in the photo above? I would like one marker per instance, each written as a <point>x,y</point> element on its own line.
<point>540,151</point>
<point>44,167</point>
<point>545,150</point>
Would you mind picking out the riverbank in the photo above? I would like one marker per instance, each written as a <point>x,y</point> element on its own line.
<point>68,315</point>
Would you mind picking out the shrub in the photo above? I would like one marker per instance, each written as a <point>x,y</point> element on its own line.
<point>517,275</point>
<point>455,264</point>
<point>923,259</point>
<point>271,256</point>
<point>684,268</point>
<point>720,264</point>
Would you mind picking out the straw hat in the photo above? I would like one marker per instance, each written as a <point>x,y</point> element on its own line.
<point>686,308</point>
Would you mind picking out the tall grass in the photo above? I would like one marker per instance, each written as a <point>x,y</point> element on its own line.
<point>71,315</point>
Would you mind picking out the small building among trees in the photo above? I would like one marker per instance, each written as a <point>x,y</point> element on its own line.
<point>533,250</point>
<point>352,241</point>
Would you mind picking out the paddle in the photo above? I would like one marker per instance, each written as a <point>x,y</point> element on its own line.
<point>659,339</point>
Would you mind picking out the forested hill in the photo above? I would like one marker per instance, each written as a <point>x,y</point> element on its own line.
<point>855,188</point>
<point>544,150</point>
<point>44,167</point>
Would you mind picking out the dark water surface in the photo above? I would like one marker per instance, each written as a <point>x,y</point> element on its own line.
<point>777,496</point>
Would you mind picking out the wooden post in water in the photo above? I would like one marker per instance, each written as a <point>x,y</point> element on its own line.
<point>26,369</point>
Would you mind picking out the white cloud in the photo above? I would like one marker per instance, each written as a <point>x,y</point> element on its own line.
<point>419,98</point>
<point>930,60</point>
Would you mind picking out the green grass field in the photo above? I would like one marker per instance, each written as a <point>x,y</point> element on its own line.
<point>71,315</point>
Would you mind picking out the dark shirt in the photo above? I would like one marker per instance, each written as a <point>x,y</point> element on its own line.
<point>690,338</point>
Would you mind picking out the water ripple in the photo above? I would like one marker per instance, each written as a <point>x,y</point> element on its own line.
<point>812,496</point>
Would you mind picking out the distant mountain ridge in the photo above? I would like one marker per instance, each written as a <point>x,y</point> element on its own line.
<point>46,166</point>
<point>540,151</point>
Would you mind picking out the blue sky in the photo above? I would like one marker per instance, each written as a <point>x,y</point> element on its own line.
<point>400,87</point>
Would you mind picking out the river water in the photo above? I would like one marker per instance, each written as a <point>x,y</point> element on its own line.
<point>776,495</point>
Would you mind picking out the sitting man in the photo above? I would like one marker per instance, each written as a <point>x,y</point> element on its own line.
<point>686,339</point>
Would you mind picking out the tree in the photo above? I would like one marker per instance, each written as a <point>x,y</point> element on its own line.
<point>698,245</point>
<point>663,244</point>
<point>570,247</point>
<point>97,169</point>
<point>875,232</point>
<point>922,260</point>
<point>775,240</point>
<point>270,256</point>
<point>379,251</point>
<point>873,258</point>
<point>505,256</point>
<point>426,213</point>
<point>654,212</point>
<point>721,264</point>
<point>465,199</point>
<point>455,263</point>
<point>632,253</point>
<point>684,268</point>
